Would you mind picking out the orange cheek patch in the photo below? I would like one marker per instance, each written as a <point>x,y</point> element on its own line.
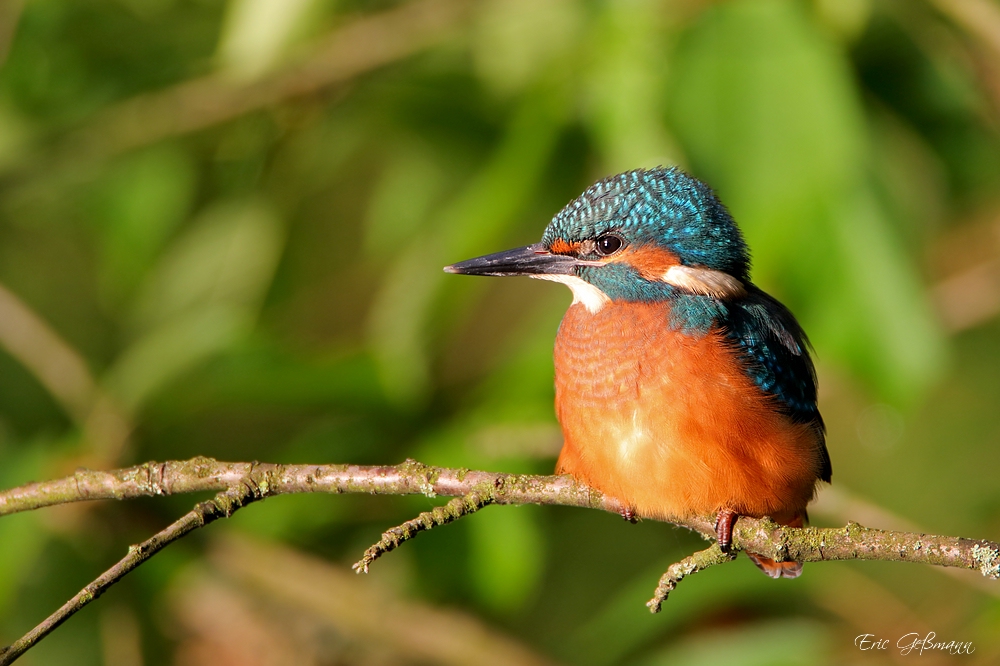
<point>559,246</point>
<point>651,262</point>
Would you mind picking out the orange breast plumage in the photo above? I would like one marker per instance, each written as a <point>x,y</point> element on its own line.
<point>668,423</point>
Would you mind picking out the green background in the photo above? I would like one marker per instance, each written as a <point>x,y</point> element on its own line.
<point>222,227</point>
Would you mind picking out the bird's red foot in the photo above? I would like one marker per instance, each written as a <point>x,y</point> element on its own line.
<point>629,514</point>
<point>724,529</point>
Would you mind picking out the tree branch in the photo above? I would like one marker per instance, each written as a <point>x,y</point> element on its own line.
<point>241,483</point>
<point>175,477</point>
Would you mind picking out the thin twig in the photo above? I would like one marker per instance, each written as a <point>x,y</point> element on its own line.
<point>10,15</point>
<point>678,571</point>
<point>64,373</point>
<point>441,515</point>
<point>980,18</point>
<point>355,47</point>
<point>222,505</point>
<point>54,363</point>
<point>406,630</point>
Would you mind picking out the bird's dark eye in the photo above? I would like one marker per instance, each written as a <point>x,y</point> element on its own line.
<point>608,244</point>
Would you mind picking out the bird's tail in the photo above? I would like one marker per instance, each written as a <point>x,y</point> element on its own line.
<point>780,569</point>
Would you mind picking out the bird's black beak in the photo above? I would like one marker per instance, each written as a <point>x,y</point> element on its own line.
<point>528,260</point>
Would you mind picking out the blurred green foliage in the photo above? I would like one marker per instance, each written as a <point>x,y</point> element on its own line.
<point>241,250</point>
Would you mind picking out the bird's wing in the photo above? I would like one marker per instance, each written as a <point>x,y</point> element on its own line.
<point>776,352</point>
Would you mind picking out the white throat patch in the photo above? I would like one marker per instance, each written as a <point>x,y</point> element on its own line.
<point>583,292</point>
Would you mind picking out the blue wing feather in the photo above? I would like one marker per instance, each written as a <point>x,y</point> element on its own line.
<point>774,347</point>
<point>777,357</point>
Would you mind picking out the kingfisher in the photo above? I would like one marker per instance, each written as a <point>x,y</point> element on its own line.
<point>682,389</point>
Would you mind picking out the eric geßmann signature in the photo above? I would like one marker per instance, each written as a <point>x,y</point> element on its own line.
<point>912,643</point>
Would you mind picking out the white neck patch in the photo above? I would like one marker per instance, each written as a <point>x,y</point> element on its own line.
<point>704,281</point>
<point>583,292</point>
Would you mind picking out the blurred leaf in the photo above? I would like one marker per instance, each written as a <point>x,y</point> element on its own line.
<point>256,33</point>
<point>402,200</point>
<point>138,205</point>
<point>517,42</point>
<point>764,102</point>
<point>509,423</point>
<point>846,18</point>
<point>624,84</point>
<point>623,624</point>
<point>201,299</point>
<point>15,132</point>
<point>172,349</point>
<point>252,374</point>
<point>776,643</point>
<point>297,519</point>
<point>227,258</point>
<point>506,556</point>
<point>24,534</point>
<point>896,344</point>
<point>396,327</point>
<point>912,177</point>
<point>398,320</point>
